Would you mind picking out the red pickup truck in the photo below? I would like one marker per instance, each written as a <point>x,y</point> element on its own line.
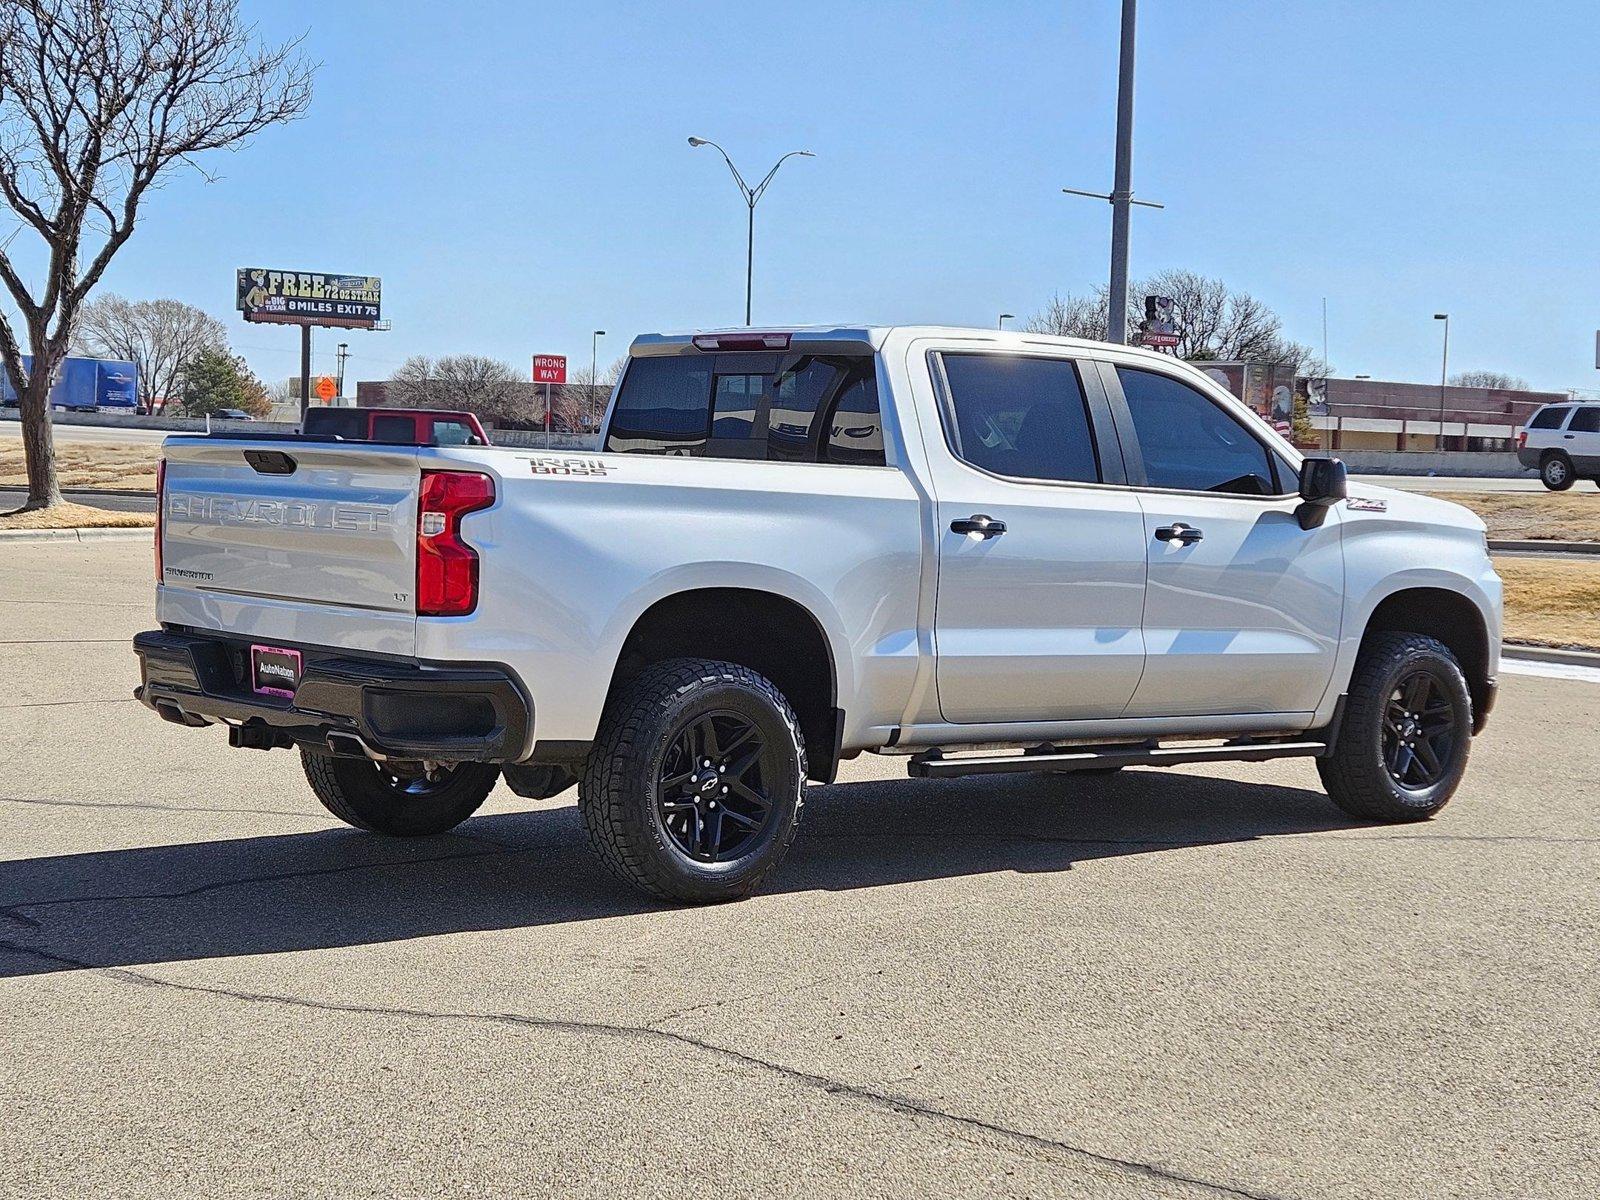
<point>397,426</point>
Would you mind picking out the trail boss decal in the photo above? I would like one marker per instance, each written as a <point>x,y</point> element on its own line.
<point>582,467</point>
<point>1363,504</point>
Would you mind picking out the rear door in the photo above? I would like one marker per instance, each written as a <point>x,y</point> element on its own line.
<point>1039,621</point>
<point>1242,607</point>
<point>315,541</point>
<point>1582,439</point>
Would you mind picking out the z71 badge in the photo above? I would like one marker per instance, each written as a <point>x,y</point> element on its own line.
<point>583,467</point>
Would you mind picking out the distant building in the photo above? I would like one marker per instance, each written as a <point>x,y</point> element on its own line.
<point>1377,414</point>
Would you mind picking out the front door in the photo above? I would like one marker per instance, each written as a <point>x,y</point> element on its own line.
<point>1041,569</point>
<point>1242,607</point>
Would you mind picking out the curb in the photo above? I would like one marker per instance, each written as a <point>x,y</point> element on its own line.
<point>1539,546</point>
<point>127,493</point>
<point>143,532</point>
<point>1549,654</point>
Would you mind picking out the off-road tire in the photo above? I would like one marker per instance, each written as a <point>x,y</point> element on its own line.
<point>1355,774</point>
<point>618,793</point>
<point>359,793</point>
<point>1556,473</point>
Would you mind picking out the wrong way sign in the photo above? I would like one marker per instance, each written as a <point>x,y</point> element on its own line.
<point>549,368</point>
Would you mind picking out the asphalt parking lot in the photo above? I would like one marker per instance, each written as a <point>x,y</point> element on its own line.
<point>1197,983</point>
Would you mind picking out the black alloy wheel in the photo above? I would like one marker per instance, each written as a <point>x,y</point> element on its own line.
<point>710,792</point>
<point>1419,731</point>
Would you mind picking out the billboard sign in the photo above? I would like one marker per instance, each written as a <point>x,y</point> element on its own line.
<point>549,368</point>
<point>309,298</point>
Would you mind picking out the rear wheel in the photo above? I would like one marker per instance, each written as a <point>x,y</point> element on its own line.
<point>403,800</point>
<point>1402,744</point>
<point>1555,472</point>
<point>694,785</point>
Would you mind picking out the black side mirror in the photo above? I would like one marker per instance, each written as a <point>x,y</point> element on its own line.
<point>1323,483</point>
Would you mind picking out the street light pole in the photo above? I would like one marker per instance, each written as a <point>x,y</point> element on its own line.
<point>594,363</point>
<point>1444,371</point>
<point>1004,317</point>
<point>1122,184</point>
<point>752,197</point>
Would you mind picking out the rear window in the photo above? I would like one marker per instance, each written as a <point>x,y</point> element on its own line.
<point>775,407</point>
<point>1021,417</point>
<point>1550,418</point>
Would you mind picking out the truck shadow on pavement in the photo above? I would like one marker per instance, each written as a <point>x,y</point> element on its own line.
<point>338,887</point>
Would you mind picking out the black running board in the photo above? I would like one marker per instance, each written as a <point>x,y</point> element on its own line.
<point>934,764</point>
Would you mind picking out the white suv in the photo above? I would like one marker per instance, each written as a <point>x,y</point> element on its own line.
<point>1563,442</point>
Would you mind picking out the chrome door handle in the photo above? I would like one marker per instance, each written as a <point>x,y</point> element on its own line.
<point>979,523</point>
<point>1188,535</point>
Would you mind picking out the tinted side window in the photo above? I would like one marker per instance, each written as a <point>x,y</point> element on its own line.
<point>397,431</point>
<point>452,433</point>
<point>1190,442</point>
<point>1021,417</point>
<point>1550,418</point>
<point>1586,420</point>
<point>347,423</point>
<point>855,427</point>
<point>663,406</point>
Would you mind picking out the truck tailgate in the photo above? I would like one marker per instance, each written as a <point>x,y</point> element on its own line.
<point>300,541</point>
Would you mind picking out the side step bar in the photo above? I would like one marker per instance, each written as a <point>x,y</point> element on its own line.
<point>934,764</point>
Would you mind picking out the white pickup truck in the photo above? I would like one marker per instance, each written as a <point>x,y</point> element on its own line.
<point>986,551</point>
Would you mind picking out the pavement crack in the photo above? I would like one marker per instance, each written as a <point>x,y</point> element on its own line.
<point>177,808</point>
<point>246,881</point>
<point>69,703</point>
<point>899,1105</point>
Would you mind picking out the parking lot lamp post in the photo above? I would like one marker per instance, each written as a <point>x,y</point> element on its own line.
<point>594,361</point>
<point>1004,317</point>
<point>1444,370</point>
<point>752,197</point>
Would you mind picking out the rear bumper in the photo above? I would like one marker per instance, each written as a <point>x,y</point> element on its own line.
<point>1529,456</point>
<point>387,707</point>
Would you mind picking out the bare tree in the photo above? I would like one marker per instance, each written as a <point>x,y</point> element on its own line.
<point>581,404</point>
<point>1214,322</point>
<point>157,336</point>
<point>100,100</point>
<point>473,382</point>
<point>1073,316</point>
<point>1490,379</point>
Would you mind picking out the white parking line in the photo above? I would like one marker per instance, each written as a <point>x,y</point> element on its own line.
<point>1523,666</point>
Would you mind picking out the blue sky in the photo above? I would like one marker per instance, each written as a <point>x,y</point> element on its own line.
<point>518,173</point>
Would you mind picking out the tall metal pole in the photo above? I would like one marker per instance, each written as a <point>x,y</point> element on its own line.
<point>752,197</point>
<point>344,353</point>
<point>1122,185</point>
<point>1444,371</point>
<point>305,370</point>
<point>749,257</point>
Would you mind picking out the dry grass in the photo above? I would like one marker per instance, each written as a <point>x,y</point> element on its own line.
<point>88,464</point>
<point>75,516</point>
<point>1560,516</point>
<point>1552,602</point>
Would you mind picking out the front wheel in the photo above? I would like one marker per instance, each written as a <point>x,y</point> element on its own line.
<point>393,798</point>
<point>1401,747</point>
<point>1556,473</point>
<point>693,788</point>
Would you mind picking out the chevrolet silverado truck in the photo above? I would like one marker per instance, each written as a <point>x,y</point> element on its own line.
<point>985,551</point>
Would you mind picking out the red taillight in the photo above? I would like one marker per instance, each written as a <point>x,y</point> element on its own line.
<point>161,503</point>
<point>1522,439</point>
<point>447,568</point>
